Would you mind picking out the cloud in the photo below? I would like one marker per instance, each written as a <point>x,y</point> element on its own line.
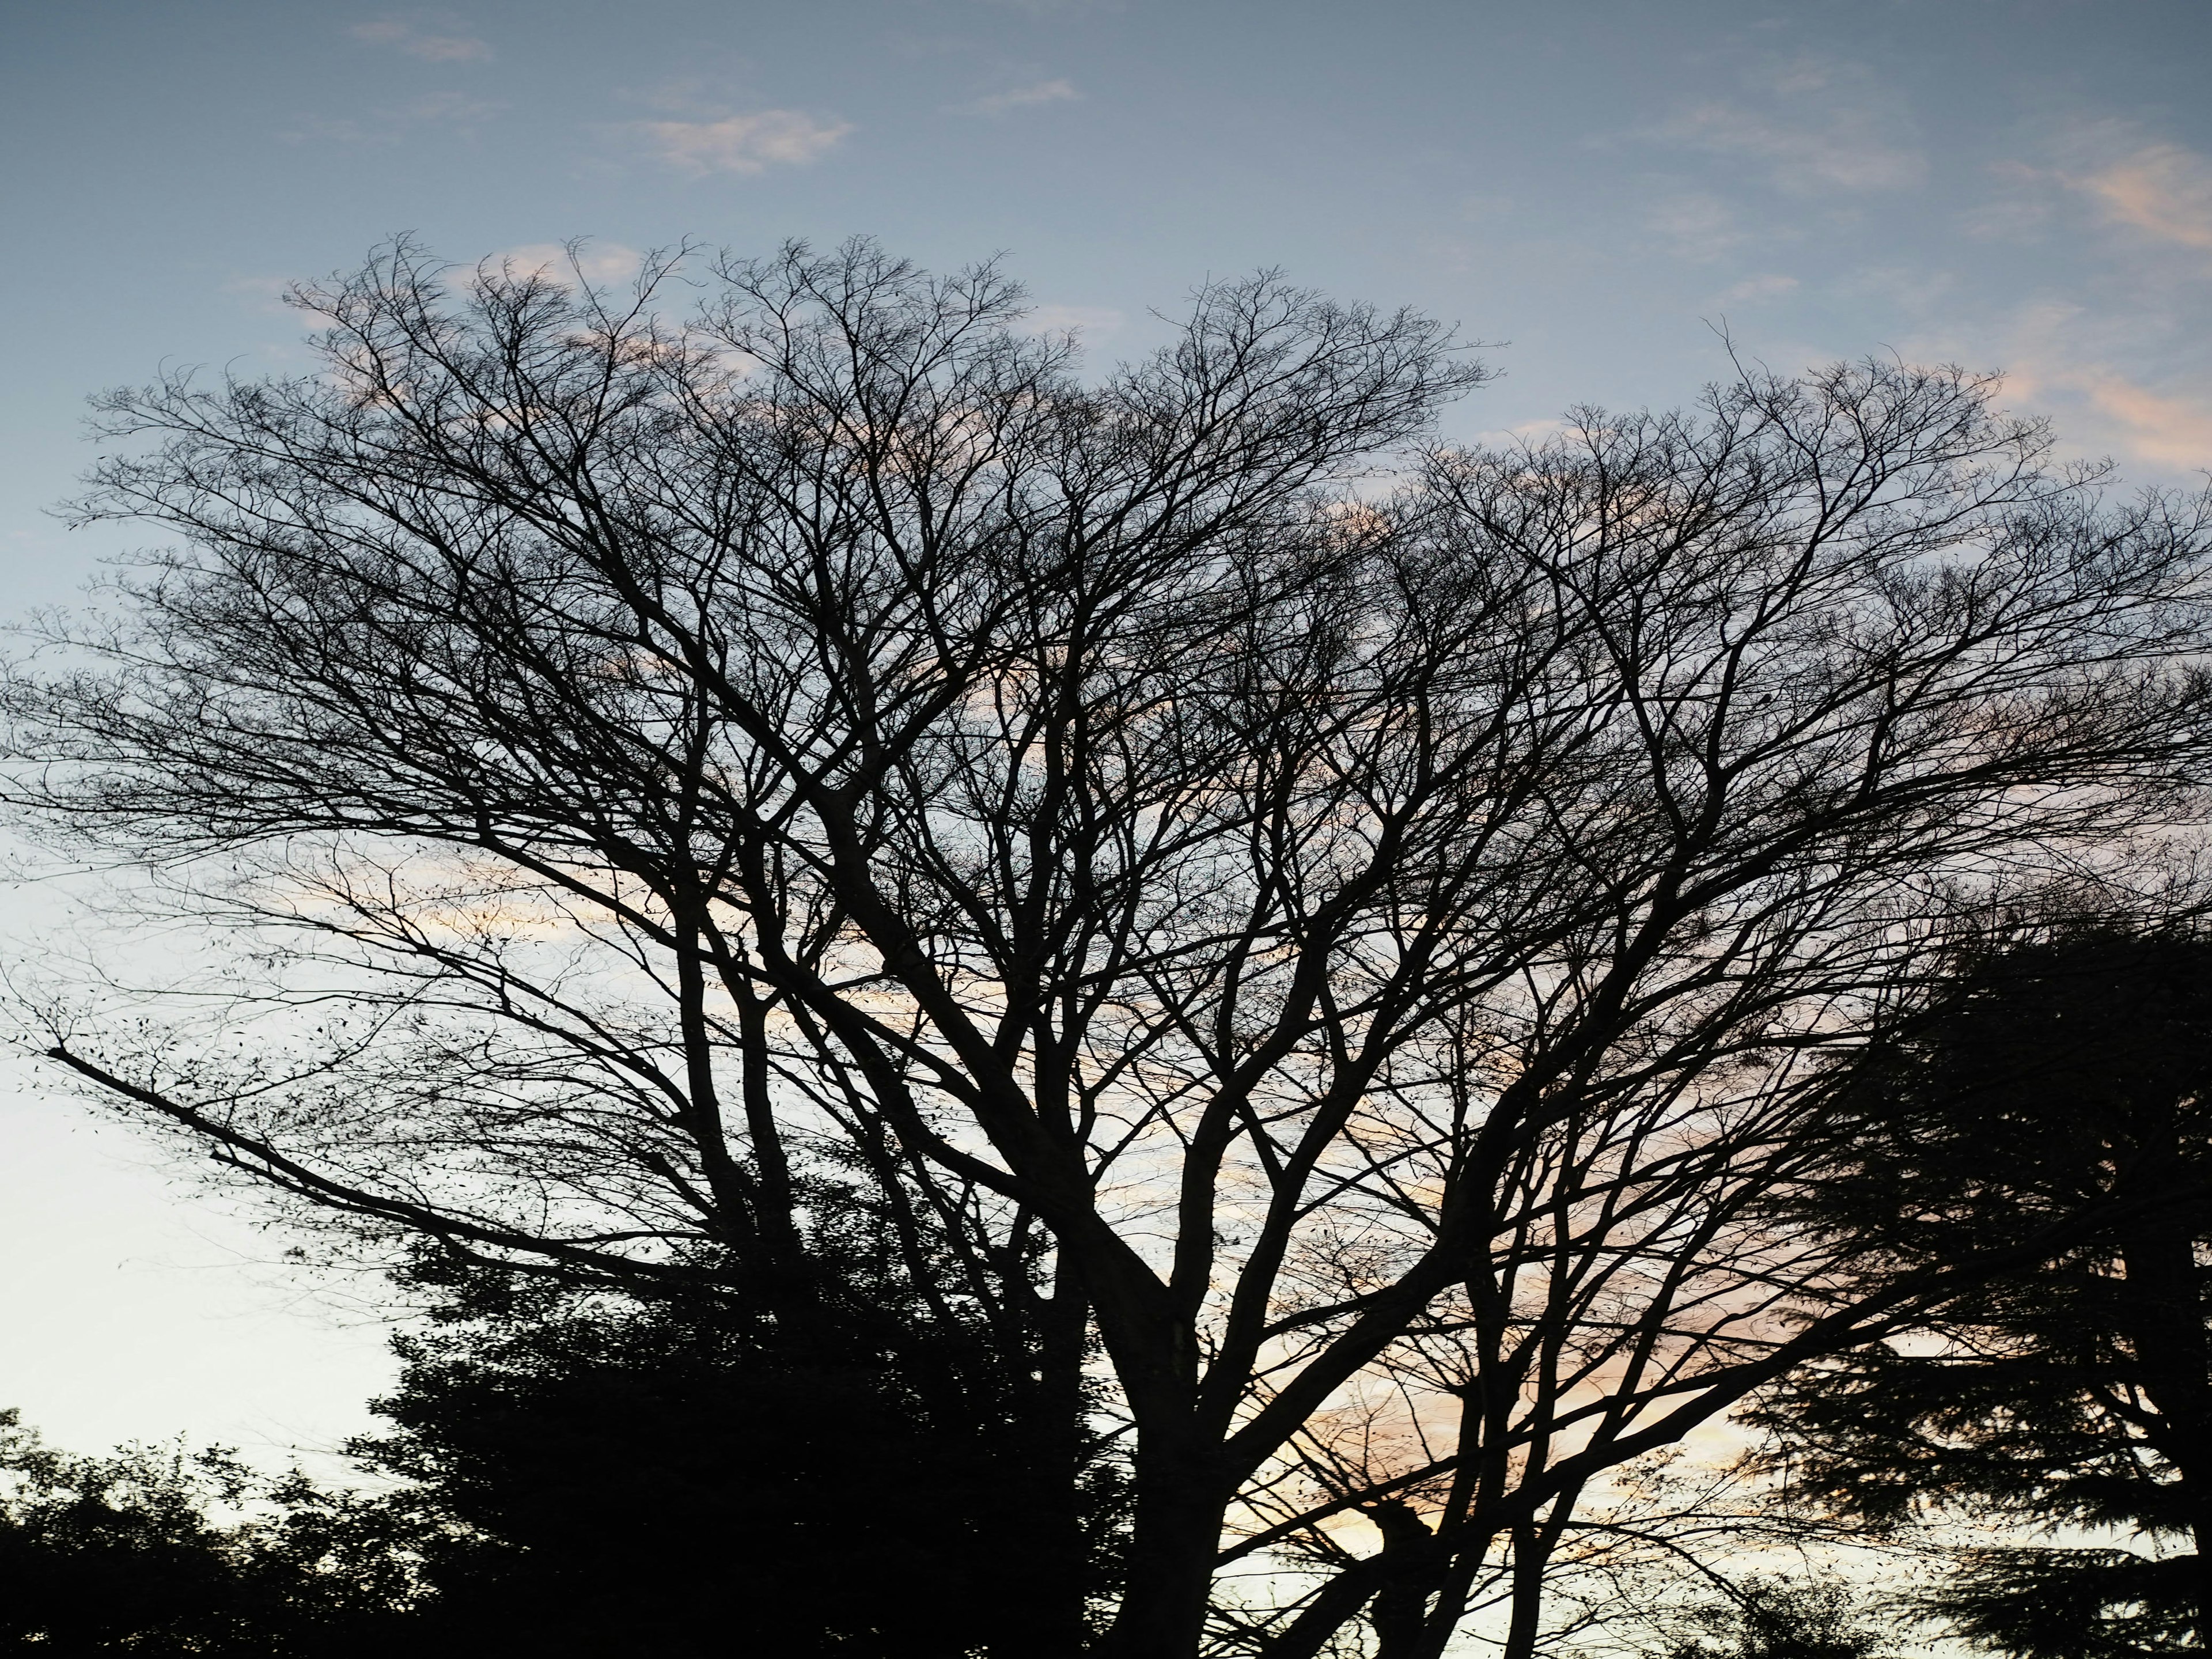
<point>452,108</point>
<point>743,144</point>
<point>2174,431</point>
<point>263,294</point>
<point>1092,320</point>
<point>457,110</point>
<point>701,96</point>
<point>2165,189</point>
<point>597,263</point>
<point>2099,376</point>
<point>1695,225</point>
<point>1816,127</point>
<point>1846,152</point>
<point>1534,431</point>
<point>2019,212</point>
<point>1753,289</point>
<point>998,103</point>
<point>416,43</point>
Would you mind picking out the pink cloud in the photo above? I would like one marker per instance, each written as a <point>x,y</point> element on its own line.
<point>595,263</point>
<point>2165,189</point>
<point>2174,431</point>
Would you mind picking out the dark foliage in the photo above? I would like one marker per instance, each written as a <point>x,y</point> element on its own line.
<point>2054,1603</point>
<point>1774,1619</point>
<point>819,1463</point>
<point>587,1475</point>
<point>2069,1077</point>
<point>664,1474</point>
<point>127,1554</point>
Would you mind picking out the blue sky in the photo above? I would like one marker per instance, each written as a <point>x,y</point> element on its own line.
<point>2014,184</point>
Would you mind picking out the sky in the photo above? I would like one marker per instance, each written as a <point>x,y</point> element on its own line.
<point>1596,190</point>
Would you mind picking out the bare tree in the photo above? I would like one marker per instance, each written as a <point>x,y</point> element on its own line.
<point>1373,946</point>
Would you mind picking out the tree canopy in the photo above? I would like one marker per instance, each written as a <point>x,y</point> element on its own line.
<point>2054,1077</point>
<point>154,1551</point>
<point>1318,934</point>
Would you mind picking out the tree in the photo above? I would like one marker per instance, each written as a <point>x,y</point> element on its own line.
<point>569,1474</point>
<point>1359,946</point>
<point>1774,1618</point>
<point>2057,1074</point>
<point>124,1555</point>
<point>854,1503</point>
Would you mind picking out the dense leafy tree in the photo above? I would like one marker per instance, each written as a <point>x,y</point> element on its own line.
<point>604,1473</point>
<point>583,1474</point>
<point>154,1553</point>
<point>2056,1078</point>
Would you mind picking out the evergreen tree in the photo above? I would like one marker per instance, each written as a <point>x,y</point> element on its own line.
<point>848,1461</point>
<point>586,1473</point>
<point>2069,1077</point>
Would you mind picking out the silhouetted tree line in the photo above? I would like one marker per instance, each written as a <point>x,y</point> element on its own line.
<point>1766,1617</point>
<point>571,1475</point>
<point>1019,1015</point>
<point>578,1472</point>
<point>584,1474</point>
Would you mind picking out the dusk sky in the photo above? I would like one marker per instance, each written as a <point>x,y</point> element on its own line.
<point>1595,191</point>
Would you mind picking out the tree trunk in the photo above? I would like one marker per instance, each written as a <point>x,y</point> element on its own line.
<point>1178,1532</point>
<point>1051,1624</point>
<point>1413,1563</point>
<point>1528,1562</point>
<point>2163,1319</point>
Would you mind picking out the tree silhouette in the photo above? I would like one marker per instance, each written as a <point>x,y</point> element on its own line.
<point>126,1553</point>
<point>583,1473</point>
<point>1338,954</point>
<point>1777,1619</point>
<point>2056,1075</point>
<point>879,1498</point>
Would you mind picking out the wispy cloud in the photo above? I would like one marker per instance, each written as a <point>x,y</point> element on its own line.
<point>457,113</point>
<point>1695,225</point>
<point>1029,97</point>
<point>451,108</point>
<point>2165,189</point>
<point>1815,128</point>
<point>1522,432</point>
<point>2174,431</point>
<point>1092,320</point>
<point>595,263</point>
<point>2099,406</point>
<point>1754,289</point>
<point>1845,155</point>
<point>2105,328</point>
<point>743,144</point>
<point>2020,209</point>
<point>2110,386</point>
<point>417,42</point>
<point>265,295</point>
